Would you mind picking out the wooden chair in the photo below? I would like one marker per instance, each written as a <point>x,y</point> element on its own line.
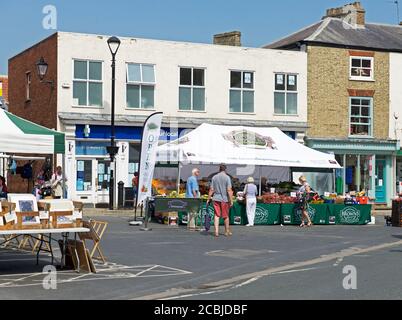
<point>97,229</point>
<point>8,207</point>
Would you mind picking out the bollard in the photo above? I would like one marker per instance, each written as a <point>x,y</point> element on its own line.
<point>120,201</point>
<point>146,216</point>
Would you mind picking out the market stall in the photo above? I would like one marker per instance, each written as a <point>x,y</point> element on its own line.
<point>267,154</point>
<point>22,137</point>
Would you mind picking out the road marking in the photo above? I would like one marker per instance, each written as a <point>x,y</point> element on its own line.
<point>296,265</point>
<point>296,270</point>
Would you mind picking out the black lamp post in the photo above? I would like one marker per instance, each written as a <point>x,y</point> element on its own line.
<point>41,68</point>
<point>114,45</point>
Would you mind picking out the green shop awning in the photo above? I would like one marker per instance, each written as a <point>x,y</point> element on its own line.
<point>18,135</point>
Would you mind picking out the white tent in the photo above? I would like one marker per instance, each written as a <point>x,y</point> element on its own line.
<point>18,135</point>
<point>213,144</point>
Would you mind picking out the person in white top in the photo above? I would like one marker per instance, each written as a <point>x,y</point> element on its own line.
<point>250,193</point>
<point>57,183</point>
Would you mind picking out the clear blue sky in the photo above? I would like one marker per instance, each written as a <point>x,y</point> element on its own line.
<point>260,21</point>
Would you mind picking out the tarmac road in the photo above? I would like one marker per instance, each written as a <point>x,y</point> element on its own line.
<point>265,262</point>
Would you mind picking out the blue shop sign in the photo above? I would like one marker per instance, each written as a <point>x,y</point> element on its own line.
<point>91,148</point>
<point>124,133</point>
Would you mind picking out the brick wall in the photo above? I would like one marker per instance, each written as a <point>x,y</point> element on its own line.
<point>42,106</point>
<point>4,82</point>
<point>329,90</point>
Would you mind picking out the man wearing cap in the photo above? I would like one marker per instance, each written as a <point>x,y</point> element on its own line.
<point>221,194</point>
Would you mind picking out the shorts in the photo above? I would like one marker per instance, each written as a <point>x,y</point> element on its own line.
<point>221,209</point>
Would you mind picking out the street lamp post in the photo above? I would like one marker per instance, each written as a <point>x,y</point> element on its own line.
<point>114,44</point>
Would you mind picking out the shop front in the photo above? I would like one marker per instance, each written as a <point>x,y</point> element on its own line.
<point>367,166</point>
<point>88,164</point>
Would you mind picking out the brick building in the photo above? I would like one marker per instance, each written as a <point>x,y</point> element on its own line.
<point>352,95</point>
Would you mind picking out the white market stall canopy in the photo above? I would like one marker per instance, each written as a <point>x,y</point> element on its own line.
<point>18,135</point>
<point>213,144</point>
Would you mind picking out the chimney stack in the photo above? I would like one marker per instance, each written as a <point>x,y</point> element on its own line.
<point>232,38</point>
<point>352,13</point>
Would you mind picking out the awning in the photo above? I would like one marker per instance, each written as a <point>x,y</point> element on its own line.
<point>18,135</point>
<point>239,145</point>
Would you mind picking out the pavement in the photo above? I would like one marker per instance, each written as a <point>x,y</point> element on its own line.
<point>262,262</point>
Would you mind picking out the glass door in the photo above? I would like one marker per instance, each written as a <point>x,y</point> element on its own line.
<point>102,180</point>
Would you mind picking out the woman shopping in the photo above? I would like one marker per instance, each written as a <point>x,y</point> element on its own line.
<point>250,193</point>
<point>303,196</point>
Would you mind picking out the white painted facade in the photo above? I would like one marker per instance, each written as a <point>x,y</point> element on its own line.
<point>167,58</point>
<point>395,124</point>
<point>395,115</point>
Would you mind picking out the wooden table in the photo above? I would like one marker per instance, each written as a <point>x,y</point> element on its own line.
<point>64,232</point>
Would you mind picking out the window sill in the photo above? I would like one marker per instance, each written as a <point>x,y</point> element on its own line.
<point>244,113</point>
<point>140,109</point>
<point>87,107</point>
<point>361,79</point>
<point>285,115</point>
<point>360,137</point>
<point>192,111</point>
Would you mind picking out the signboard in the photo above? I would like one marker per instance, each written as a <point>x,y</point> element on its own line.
<point>149,144</point>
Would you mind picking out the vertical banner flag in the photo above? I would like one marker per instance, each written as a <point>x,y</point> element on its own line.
<point>150,139</point>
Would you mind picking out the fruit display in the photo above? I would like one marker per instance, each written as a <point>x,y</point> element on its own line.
<point>284,187</point>
<point>276,198</point>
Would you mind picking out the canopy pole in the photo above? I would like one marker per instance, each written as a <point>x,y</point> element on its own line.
<point>63,161</point>
<point>178,179</point>
<point>260,181</point>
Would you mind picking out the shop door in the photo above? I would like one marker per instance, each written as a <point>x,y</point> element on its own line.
<point>85,180</point>
<point>380,182</point>
<point>102,180</point>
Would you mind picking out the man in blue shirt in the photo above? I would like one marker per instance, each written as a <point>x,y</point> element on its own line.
<point>192,191</point>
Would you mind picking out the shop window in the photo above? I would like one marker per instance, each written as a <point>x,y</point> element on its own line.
<point>84,175</point>
<point>241,95</point>
<point>140,86</point>
<point>285,95</point>
<point>134,160</point>
<point>87,83</point>
<point>361,68</point>
<point>366,172</point>
<point>361,116</point>
<point>192,89</point>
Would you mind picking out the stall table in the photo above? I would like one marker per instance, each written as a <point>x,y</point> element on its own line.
<point>289,214</point>
<point>41,233</point>
<point>350,214</point>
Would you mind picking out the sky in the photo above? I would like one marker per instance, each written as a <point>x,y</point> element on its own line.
<point>260,21</point>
